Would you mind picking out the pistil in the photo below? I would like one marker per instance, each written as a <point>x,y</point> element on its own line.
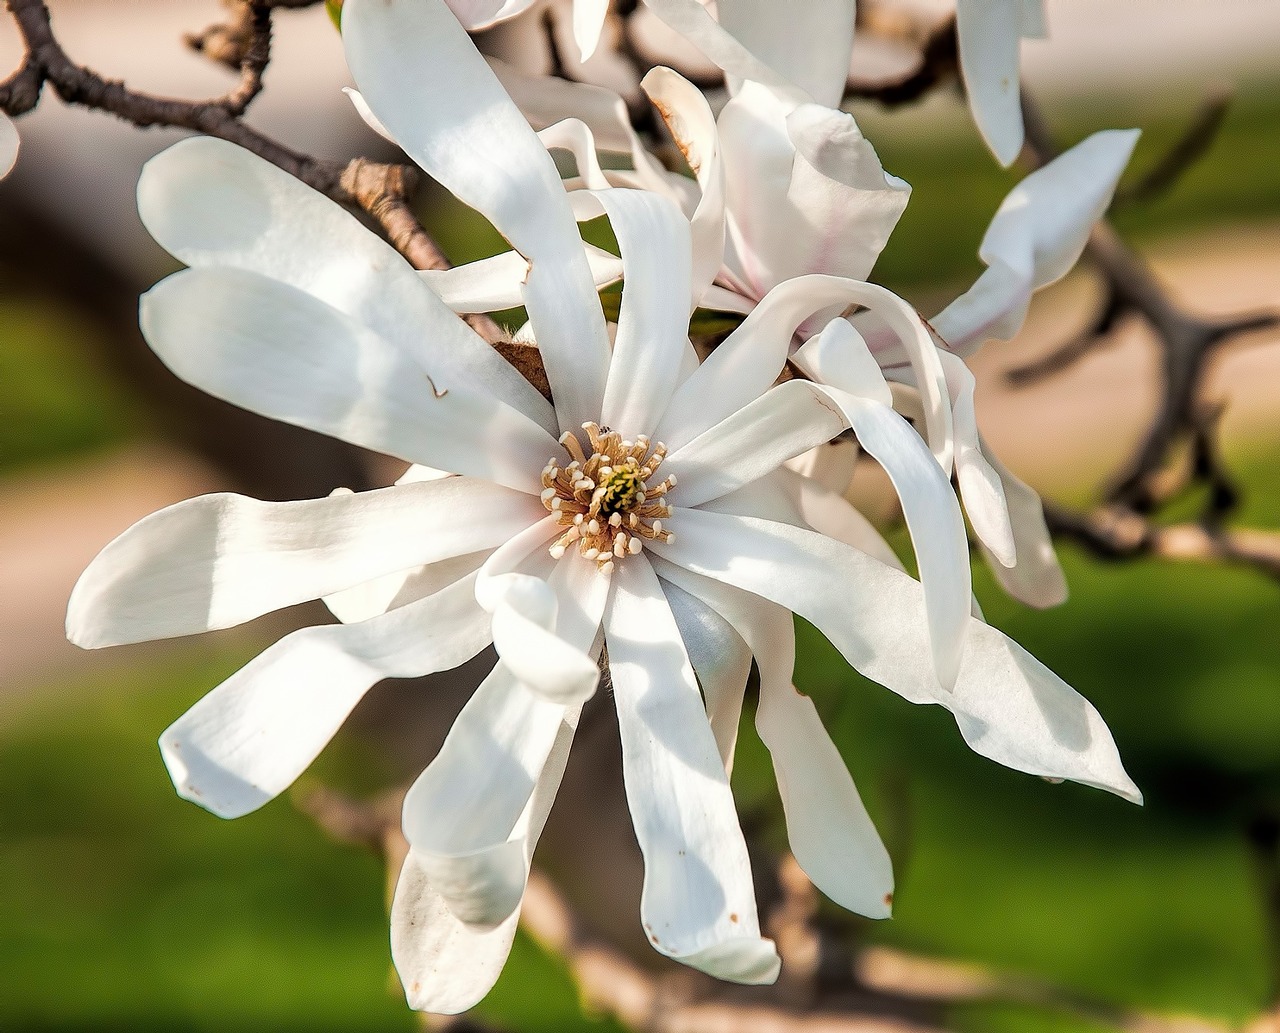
<point>605,501</point>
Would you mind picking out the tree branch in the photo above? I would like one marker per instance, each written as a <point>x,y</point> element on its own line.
<point>1123,527</point>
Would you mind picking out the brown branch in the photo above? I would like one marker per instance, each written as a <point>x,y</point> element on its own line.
<point>881,990</point>
<point>384,192</point>
<point>1075,348</point>
<point>1119,533</point>
<point>939,60</point>
<point>1123,527</point>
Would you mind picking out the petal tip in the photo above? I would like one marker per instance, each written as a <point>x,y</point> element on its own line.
<point>194,778</point>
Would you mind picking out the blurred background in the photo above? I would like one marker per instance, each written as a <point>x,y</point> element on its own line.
<point>122,907</point>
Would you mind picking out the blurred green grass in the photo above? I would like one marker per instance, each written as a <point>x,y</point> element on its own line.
<point>57,400</point>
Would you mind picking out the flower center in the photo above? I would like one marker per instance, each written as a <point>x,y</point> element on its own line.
<point>604,501</point>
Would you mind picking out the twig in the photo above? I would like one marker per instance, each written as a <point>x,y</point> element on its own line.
<point>382,191</point>
<point>939,61</point>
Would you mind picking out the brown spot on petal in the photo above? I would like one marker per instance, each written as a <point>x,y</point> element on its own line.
<point>888,900</point>
<point>733,917</point>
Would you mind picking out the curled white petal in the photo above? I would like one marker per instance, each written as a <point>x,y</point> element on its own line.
<point>1035,238</point>
<point>698,902</point>
<point>252,736</point>
<point>220,560</point>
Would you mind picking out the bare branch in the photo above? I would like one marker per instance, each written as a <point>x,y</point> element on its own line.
<point>1073,349</point>
<point>382,191</point>
<point>1123,526</point>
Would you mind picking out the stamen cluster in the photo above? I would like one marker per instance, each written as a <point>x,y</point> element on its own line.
<point>604,500</point>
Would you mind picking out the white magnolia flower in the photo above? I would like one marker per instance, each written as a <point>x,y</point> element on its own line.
<point>554,539</point>
<point>8,144</point>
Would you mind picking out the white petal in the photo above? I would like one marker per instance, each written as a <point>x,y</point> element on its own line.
<point>588,20</point>
<point>759,159</point>
<point>607,62</point>
<point>928,503</point>
<point>529,633</point>
<point>1036,577</point>
<point>805,190</point>
<point>980,486</point>
<point>784,422</point>
<point>653,323</point>
<point>529,630</point>
<point>445,965</point>
<point>219,560</point>
<point>807,43</point>
<point>721,299</point>
<point>366,113</point>
<point>248,739</point>
<point>1034,24</point>
<point>275,350</point>
<point>720,659</point>
<point>692,21</point>
<point>750,358</point>
<point>462,810</point>
<point>481,14</point>
<point>8,144</point>
<point>831,466</point>
<point>545,100</point>
<point>574,135</point>
<point>842,189</point>
<point>211,203</point>
<point>428,85</point>
<point>493,284</point>
<point>1036,237</point>
<point>1008,705</point>
<point>840,357</point>
<point>463,813</point>
<point>698,902</point>
<point>828,827</point>
<point>688,116</point>
<point>370,598</point>
<point>933,519</point>
<point>989,33</point>
<point>833,515</point>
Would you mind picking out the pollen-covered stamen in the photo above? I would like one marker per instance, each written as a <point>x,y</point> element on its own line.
<point>605,500</point>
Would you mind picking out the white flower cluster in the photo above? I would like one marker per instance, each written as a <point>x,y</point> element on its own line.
<point>661,512</point>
